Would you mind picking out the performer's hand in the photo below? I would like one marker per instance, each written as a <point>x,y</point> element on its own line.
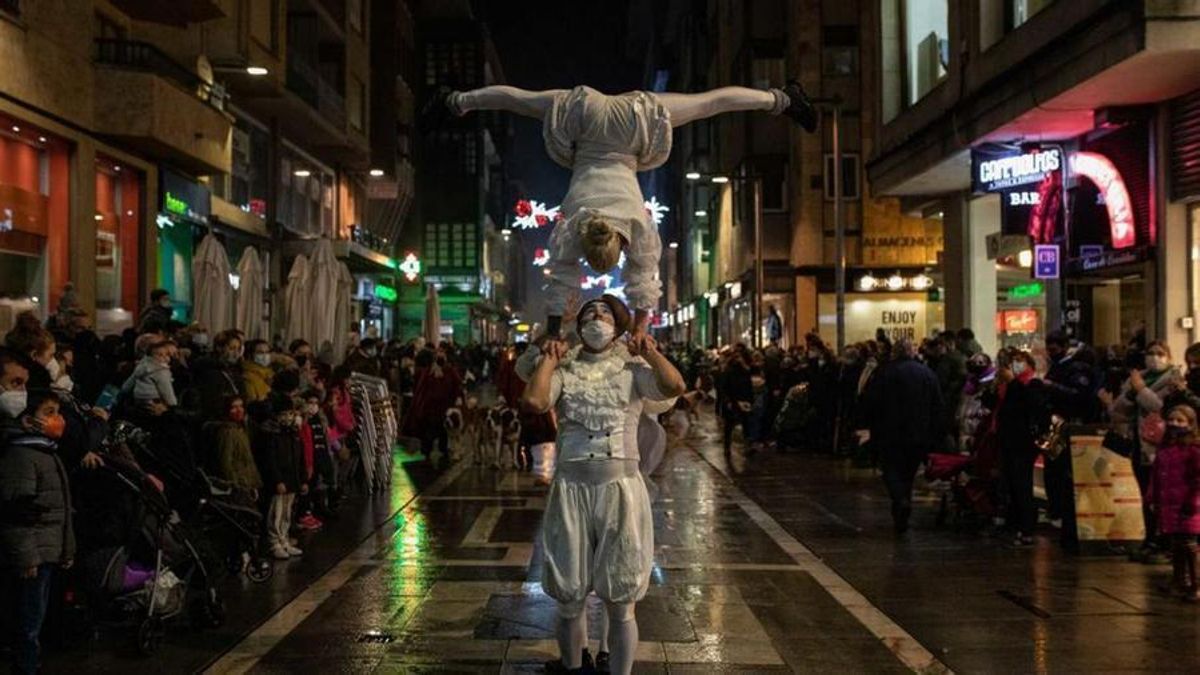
<point>642,345</point>
<point>554,350</point>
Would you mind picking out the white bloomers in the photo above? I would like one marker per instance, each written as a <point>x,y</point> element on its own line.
<point>598,533</point>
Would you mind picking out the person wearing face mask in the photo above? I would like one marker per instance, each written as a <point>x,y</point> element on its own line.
<point>235,461</point>
<point>1174,495</point>
<point>364,358</point>
<point>257,374</point>
<point>597,531</point>
<point>36,533</point>
<point>13,376</point>
<point>280,456</point>
<point>1021,415</point>
<point>156,316</point>
<point>1189,395</point>
<point>1138,408</point>
<point>218,375</point>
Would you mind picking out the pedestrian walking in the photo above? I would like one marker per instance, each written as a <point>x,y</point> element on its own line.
<point>906,423</point>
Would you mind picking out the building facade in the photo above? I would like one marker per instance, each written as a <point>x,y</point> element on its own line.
<point>1055,138</point>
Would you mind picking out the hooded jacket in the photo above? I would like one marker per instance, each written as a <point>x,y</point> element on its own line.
<point>36,500</point>
<point>151,380</point>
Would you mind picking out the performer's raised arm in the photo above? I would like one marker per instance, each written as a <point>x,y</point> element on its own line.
<point>503,97</point>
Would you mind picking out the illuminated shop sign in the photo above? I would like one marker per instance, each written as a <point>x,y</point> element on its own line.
<point>183,199</point>
<point>385,293</point>
<point>998,168</point>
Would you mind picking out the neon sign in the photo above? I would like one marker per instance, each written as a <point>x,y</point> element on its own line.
<point>385,293</point>
<point>1005,172</point>
<point>1101,171</point>
<point>411,267</point>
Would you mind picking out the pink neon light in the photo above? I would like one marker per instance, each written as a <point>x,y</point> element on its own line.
<point>1098,169</point>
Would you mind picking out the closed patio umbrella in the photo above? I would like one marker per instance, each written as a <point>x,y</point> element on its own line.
<point>213,301</point>
<point>343,312</point>
<point>433,317</point>
<point>324,277</point>
<point>296,300</point>
<point>250,295</point>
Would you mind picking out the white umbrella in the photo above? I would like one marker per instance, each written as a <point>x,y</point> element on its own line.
<point>213,294</point>
<point>250,295</point>
<point>324,275</point>
<point>433,317</point>
<point>342,312</point>
<point>296,299</point>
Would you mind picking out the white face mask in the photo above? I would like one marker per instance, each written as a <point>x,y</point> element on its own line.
<point>64,383</point>
<point>597,334</point>
<point>13,402</point>
<point>1018,367</point>
<point>54,368</point>
<point>200,339</point>
<point>263,360</point>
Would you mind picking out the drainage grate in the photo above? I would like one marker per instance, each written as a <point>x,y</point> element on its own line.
<point>375,637</point>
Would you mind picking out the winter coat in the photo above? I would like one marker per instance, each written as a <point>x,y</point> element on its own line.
<point>1021,418</point>
<point>434,395</point>
<point>215,382</point>
<point>904,408</point>
<point>1130,407</point>
<point>735,388</point>
<point>341,421</point>
<point>280,456</point>
<point>256,381</point>
<point>151,380</point>
<point>235,460</point>
<point>1174,483</point>
<point>153,317</point>
<point>35,500</point>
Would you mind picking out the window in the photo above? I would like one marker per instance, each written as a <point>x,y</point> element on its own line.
<point>915,49</point>
<point>118,207</point>
<point>839,51</point>
<point>355,107</point>
<point>1022,10</point>
<point>850,177</point>
<point>450,246</point>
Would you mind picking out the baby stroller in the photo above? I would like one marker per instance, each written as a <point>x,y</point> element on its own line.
<point>962,495</point>
<point>793,424</point>
<point>207,504</point>
<point>153,579</point>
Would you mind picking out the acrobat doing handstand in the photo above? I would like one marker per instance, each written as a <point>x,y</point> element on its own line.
<point>605,140</point>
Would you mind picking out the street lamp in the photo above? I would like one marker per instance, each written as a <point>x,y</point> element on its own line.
<point>834,103</point>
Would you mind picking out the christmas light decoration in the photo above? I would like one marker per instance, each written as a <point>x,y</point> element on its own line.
<point>587,283</point>
<point>411,267</point>
<point>657,211</point>
<point>541,256</point>
<point>530,214</point>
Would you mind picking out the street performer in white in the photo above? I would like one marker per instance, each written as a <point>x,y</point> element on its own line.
<point>597,532</point>
<point>605,140</point>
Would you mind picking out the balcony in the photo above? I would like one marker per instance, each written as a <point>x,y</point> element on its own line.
<point>160,107</point>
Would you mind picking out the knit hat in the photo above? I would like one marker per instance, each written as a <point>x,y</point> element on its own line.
<point>620,312</point>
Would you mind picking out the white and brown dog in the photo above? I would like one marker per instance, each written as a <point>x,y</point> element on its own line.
<point>504,434</point>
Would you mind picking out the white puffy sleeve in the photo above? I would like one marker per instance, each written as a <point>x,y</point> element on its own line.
<point>643,288</point>
<point>645,383</point>
<point>565,252</point>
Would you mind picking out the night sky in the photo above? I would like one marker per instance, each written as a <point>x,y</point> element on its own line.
<point>555,44</point>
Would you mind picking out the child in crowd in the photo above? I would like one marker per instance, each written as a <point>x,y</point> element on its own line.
<point>36,535</point>
<point>340,432</point>
<point>280,455</point>
<point>151,382</point>
<point>235,461</point>
<point>1174,495</point>
<point>319,463</point>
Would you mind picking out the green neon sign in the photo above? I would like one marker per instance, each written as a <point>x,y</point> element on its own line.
<point>175,204</point>
<point>385,293</point>
<point>1026,291</point>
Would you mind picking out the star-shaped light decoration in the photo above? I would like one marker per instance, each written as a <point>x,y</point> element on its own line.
<point>657,211</point>
<point>411,267</point>
<point>541,256</point>
<point>531,214</point>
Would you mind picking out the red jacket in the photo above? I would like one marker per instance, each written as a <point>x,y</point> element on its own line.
<point>432,397</point>
<point>1174,483</point>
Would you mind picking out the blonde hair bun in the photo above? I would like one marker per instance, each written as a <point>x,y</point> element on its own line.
<point>601,244</point>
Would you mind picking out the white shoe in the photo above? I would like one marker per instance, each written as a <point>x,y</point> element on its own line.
<point>280,553</point>
<point>293,551</point>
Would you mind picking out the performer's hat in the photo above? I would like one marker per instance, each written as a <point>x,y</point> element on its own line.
<point>620,312</point>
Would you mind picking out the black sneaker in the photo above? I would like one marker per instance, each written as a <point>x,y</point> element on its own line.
<point>556,667</point>
<point>800,109</point>
<point>436,110</point>
<point>602,663</point>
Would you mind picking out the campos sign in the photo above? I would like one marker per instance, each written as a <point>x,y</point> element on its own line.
<point>1000,169</point>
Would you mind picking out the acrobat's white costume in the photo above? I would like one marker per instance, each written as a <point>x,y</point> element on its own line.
<point>605,140</point>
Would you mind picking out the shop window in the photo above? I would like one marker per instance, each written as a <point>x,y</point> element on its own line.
<point>915,50</point>
<point>851,172</point>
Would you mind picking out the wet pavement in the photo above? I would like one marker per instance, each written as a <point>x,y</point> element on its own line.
<point>776,563</point>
